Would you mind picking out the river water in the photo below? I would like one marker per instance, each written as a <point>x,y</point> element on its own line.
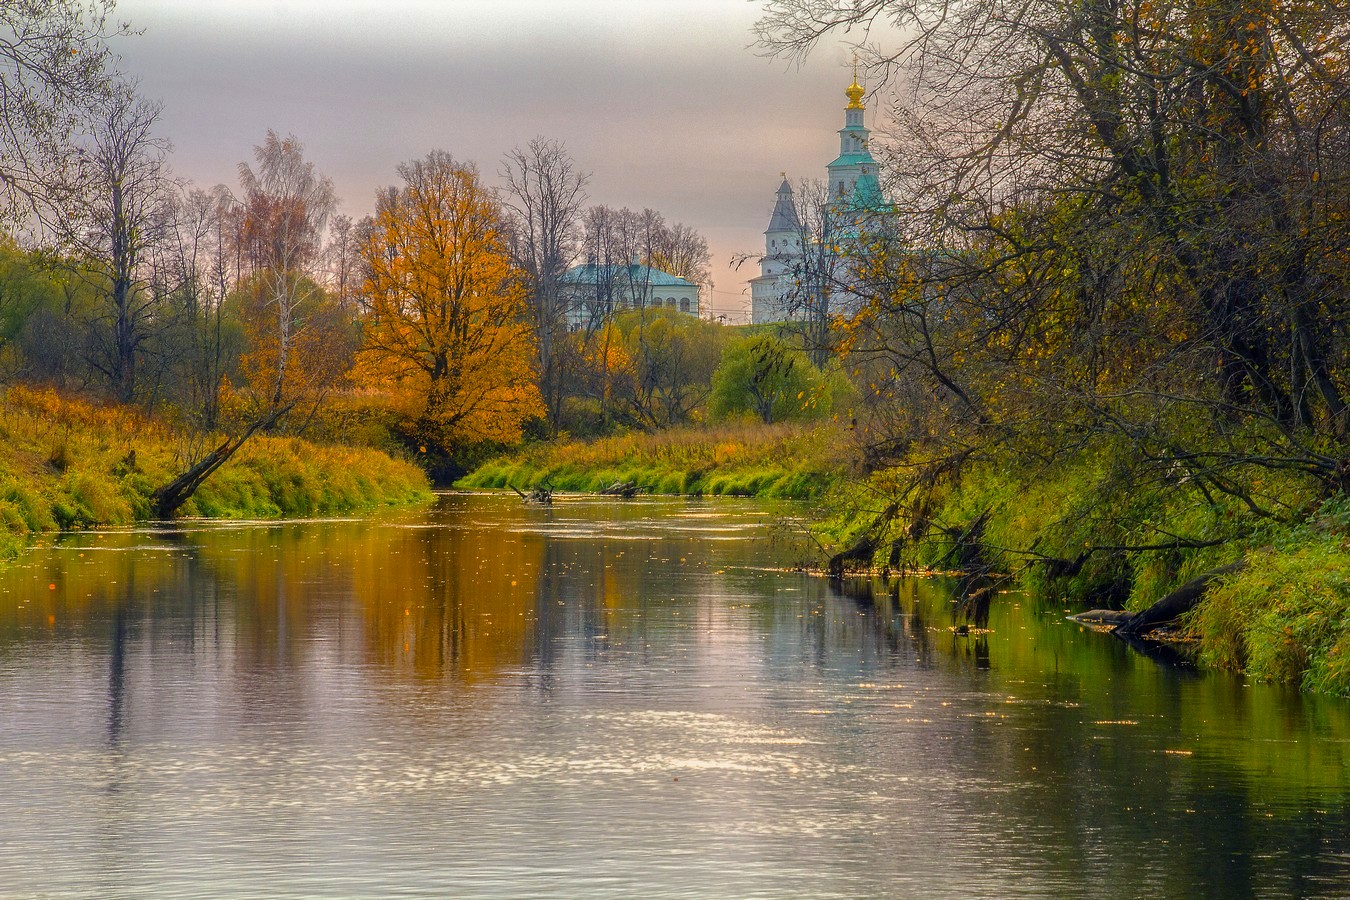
<point>484,698</point>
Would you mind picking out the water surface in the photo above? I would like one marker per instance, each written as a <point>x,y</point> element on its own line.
<point>614,698</point>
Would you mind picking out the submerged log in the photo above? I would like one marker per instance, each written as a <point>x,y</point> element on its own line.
<point>543,495</point>
<point>621,489</point>
<point>1103,617</point>
<point>1175,604</point>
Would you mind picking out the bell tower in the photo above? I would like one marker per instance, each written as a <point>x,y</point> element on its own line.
<point>855,159</point>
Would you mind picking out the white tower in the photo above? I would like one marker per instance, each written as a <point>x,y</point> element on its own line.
<point>782,253</point>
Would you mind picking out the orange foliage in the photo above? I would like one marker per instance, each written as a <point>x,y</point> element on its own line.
<point>299,341</point>
<point>445,333</point>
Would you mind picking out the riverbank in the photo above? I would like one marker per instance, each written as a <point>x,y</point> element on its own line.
<point>785,461</point>
<point>1285,617</point>
<point>67,464</point>
<point>1055,533</point>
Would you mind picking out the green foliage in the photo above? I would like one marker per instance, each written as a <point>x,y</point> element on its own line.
<point>68,464</point>
<point>764,377</point>
<point>1286,616</point>
<point>671,358</point>
<point>782,461</point>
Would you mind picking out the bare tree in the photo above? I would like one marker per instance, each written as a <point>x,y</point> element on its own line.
<point>545,195</point>
<point>682,251</point>
<point>125,207</point>
<point>55,74</point>
<point>342,255</point>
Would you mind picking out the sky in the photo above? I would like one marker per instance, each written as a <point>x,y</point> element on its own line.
<point>665,103</point>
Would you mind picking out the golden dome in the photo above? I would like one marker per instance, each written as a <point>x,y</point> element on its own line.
<point>855,91</point>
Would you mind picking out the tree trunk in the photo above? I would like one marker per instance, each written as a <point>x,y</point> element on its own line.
<point>171,497</point>
<point>1175,604</point>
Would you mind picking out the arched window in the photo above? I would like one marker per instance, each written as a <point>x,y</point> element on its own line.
<point>684,304</point>
<point>670,302</point>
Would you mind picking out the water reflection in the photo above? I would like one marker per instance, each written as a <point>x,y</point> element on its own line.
<point>623,698</point>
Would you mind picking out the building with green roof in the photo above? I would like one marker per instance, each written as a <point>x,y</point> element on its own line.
<point>854,198</point>
<point>597,291</point>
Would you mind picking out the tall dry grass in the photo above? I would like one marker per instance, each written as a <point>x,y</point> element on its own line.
<point>68,463</point>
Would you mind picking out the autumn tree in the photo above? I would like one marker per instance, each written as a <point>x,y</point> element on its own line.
<point>545,194</point>
<point>446,328</point>
<point>294,330</point>
<point>1124,225</point>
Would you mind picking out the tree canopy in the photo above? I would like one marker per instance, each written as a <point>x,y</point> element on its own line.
<point>445,328</point>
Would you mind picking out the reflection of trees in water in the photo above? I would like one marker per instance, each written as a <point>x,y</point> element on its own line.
<point>899,625</point>
<point>1116,771</point>
<point>265,620</point>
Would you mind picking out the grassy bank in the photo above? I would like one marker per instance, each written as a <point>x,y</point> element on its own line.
<point>777,461</point>
<point>69,464</point>
<point>1061,537</point>
<point>1062,532</point>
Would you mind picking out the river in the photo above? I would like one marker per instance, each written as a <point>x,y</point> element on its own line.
<point>484,698</point>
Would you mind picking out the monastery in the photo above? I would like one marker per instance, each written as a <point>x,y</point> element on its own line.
<point>777,295</point>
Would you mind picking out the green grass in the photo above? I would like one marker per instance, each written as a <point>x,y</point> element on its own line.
<point>776,462</point>
<point>1286,616</point>
<point>68,464</point>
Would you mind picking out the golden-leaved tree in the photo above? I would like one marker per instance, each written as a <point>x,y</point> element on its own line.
<point>445,332</point>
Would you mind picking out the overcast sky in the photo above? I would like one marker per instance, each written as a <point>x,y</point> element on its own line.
<point>664,102</point>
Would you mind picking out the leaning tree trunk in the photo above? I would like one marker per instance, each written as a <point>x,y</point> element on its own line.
<point>171,497</point>
<point>1175,604</point>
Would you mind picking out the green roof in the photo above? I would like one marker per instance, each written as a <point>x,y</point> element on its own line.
<point>632,274</point>
<point>854,159</point>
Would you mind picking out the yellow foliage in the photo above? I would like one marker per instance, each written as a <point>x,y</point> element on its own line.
<point>445,335</point>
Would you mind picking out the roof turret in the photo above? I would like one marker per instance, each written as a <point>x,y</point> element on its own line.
<point>784,216</point>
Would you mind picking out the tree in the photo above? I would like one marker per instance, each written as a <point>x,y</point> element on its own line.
<point>766,377</point>
<point>445,326</point>
<point>822,273</point>
<point>670,358</point>
<point>1125,225</point>
<point>545,194</point>
<point>285,208</point>
<point>126,209</point>
<point>54,75</point>
<point>200,269</point>
<point>680,250</point>
<point>299,344</point>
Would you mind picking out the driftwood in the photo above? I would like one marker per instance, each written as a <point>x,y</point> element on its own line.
<point>1103,617</point>
<point>1175,604</point>
<point>541,494</point>
<point>625,489</point>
